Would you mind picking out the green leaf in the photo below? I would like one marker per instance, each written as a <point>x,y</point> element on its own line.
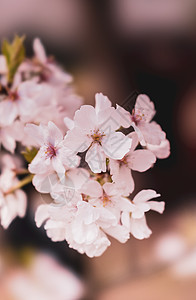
<point>29,154</point>
<point>14,53</point>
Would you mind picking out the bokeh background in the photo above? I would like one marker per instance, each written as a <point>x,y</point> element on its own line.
<point>119,47</point>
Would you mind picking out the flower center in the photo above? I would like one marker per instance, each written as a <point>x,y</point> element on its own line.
<point>136,116</point>
<point>50,151</point>
<point>105,199</point>
<point>13,95</point>
<point>85,197</point>
<point>97,136</point>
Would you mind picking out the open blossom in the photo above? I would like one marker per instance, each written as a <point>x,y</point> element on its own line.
<point>141,204</point>
<point>25,101</point>
<point>112,200</point>
<point>148,131</point>
<point>85,219</point>
<point>95,129</point>
<point>12,203</point>
<point>77,223</point>
<point>142,114</point>
<point>53,155</point>
<point>137,160</point>
<point>43,68</point>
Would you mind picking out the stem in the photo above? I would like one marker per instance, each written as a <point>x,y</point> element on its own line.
<point>21,171</point>
<point>21,183</point>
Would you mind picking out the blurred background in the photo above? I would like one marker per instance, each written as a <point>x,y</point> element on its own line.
<point>119,47</point>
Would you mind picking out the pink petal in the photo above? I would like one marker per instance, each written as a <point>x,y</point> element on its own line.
<point>161,151</point>
<point>85,118</point>
<point>157,206</point>
<point>41,214</point>
<point>35,132</point>
<point>7,140</point>
<point>77,140</point>
<point>55,136</point>
<point>152,133</point>
<point>8,112</point>
<point>92,188</point>
<point>101,102</point>
<point>21,202</point>
<point>139,229</point>
<point>69,123</point>
<point>39,51</point>
<point>123,116</point>
<point>135,141</point>
<point>119,232</point>
<point>145,195</point>
<point>79,176</point>
<point>124,180</point>
<point>141,160</point>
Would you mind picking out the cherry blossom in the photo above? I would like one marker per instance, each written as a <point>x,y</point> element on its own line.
<point>137,160</point>
<point>79,155</point>
<point>53,155</point>
<point>95,130</point>
<point>77,223</point>
<point>140,205</point>
<point>13,202</point>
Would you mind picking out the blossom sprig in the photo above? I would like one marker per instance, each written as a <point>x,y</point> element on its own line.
<point>77,154</point>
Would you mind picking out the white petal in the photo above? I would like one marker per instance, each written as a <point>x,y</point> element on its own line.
<point>101,102</point>
<point>8,112</point>
<point>144,196</point>
<point>55,135</point>
<point>161,151</point>
<point>39,50</point>
<point>157,206</point>
<point>35,132</point>
<point>119,232</point>
<point>92,188</point>
<point>69,123</point>
<point>41,214</point>
<point>77,140</point>
<point>116,145</point>
<point>152,132</point>
<point>85,118</point>
<point>139,229</point>
<point>123,116</point>
<point>96,158</point>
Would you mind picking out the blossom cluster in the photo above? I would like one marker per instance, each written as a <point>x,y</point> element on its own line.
<point>78,154</point>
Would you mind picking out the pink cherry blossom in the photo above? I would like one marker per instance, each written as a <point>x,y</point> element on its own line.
<point>137,160</point>
<point>25,102</point>
<point>53,155</point>
<point>142,114</point>
<point>140,205</point>
<point>111,199</point>
<point>95,130</point>
<point>77,223</point>
<point>12,204</point>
